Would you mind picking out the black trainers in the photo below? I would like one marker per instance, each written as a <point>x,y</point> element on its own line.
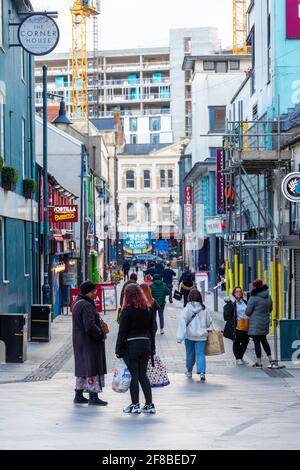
<point>133,409</point>
<point>258,366</point>
<point>150,409</point>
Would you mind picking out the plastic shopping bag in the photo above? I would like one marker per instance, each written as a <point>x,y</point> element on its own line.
<point>121,377</point>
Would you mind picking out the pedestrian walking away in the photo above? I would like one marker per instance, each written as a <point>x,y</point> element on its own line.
<point>89,346</point>
<point>186,273</point>
<point>132,280</point>
<point>186,286</point>
<point>136,344</point>
<point>193,325</point>
<point>258,310</point>
<point>152,304</point>
<point>126,269</point>
<point>160,291</point>
<point>237,323</point>
<point>151,270</point>
<point>167,276</point>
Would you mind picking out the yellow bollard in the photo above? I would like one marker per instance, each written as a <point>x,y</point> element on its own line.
<point>273,294</point>
<point>259,269</point>
<point>227,277</point>
<point>236,270</point>
<point>266,278</point>
<point>280,292</point>
<point>242,276</point>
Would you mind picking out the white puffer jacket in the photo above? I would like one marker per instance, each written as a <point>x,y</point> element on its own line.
<point>197,329</point>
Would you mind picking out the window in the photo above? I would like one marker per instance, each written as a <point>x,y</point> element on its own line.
<point>234,65</point>
<point>23,149</point>
<point>187,45</point>
<point>133,125</point>
<point>25,248</point>
<point>22,64</point>
<point>170,179</point>
<point>133,139</point>
<point>1,23</point>
<point>3,254</point>
<point>131,213</point>
<point>213,152</point>
<point>162,178</point>
<point>217,116</point>
<point>208,66</point>
<point>154,124</point>
<point>147,212</point>
<point>154,139</point>
<point>147,179</point>
<point>166,213</point>
<point>2,154</point>
<point>130,179</point>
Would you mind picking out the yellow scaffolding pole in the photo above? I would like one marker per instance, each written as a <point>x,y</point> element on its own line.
<point>259,269</point>
<point>227,277</point>
<point>242,276</point>
<point>236,270</point>
<point>266,277</point>
<point>231,280</point>
<point>273,295</point>
<point>280,292</point>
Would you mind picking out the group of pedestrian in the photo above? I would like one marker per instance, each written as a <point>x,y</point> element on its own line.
<point>245,320</point>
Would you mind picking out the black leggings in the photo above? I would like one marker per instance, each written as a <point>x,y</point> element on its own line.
<point>263,340</point>
<point>240,344</point>
<point>136,359</point>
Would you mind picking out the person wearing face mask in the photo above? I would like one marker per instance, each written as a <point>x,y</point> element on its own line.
<point>88,346</point>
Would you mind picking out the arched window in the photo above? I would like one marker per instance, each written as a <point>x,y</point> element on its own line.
<point>147,212</point>
<point>131,213</point>
<point>130,179</point>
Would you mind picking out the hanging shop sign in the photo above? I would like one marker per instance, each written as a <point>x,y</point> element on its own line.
<point>214,225</point>
<point>188,207</point>
<point>291,187</point>
<point>220,181</point>
<point>64,214</point>
<point>292,19</point>
<point>38,34</point>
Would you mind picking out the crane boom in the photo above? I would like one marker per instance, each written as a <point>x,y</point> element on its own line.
<point>82,9</point>
<point>239,27</point>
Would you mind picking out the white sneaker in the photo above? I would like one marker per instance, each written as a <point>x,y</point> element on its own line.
<point>133,409</point>
<point>162,332</point>
<point>188,374</point>
<point>202,377</point>
<point>245,362</point>
<point>240,362</point>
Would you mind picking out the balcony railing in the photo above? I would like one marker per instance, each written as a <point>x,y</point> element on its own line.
<point>131,83</point>
<point>137,98</point>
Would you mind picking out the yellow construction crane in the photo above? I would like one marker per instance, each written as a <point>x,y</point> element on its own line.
<point>82,9</point>
<point>239,27</point>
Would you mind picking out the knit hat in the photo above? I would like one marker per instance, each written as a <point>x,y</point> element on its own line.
<point>257,284</point>
<point>87,287</point>
<point>133,277</point>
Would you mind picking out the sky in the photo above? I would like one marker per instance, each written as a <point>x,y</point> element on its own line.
<point>143,23</point>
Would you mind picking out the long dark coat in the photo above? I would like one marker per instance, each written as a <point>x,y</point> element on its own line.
<point>88,339</point>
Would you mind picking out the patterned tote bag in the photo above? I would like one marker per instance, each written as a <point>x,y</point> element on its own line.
<point>157,375</point>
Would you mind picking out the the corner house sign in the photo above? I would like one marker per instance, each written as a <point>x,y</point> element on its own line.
<point>38,34</point>
<point>291,187</point>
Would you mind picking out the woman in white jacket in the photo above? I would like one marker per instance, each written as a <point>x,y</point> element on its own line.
<point>194,322</point>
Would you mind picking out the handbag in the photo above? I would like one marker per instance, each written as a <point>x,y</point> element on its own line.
<point>121,377</point>
<point>177,295</point>
<point>242,324</point>
<point>157,373</point>
<point>119,314</point>
<point>104,326</point>
<point>214,344</point>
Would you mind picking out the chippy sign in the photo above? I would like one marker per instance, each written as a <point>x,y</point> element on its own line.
<point>38,34</point>
<point>64,214</point>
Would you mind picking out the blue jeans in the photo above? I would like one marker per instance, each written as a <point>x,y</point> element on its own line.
<point>195,352</point>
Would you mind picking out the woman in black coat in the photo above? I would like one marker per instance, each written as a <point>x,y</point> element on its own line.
<point>89,346</point>
<point>236,324</point>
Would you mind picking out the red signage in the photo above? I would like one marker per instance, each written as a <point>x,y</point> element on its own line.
<point>188,207</point>
<point>64,214</point>
<point>75,292</point>
<point>293,19</point>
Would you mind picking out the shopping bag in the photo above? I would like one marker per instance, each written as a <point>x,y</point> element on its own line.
<point>243,324</point>
<point>214,344</point>
<point>177,295</point>
<point>157,374</point>
<point>121,377</point>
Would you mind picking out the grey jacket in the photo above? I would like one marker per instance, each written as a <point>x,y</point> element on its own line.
<point>258,310</point>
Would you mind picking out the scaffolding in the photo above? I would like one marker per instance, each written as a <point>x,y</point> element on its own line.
<point>239,27</point>
<point>254,166</point>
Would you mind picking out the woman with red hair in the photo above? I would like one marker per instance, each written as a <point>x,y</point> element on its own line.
<point>136,343</point>
<point>152,304</point>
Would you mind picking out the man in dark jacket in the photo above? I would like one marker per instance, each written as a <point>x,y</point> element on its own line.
<point>126,269</point>
<point>186,273</point>
<point>167,276</point>
<point>159,292</point>
<point>89,346</point>
<point>151,271</point>
<point>258,310</point>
